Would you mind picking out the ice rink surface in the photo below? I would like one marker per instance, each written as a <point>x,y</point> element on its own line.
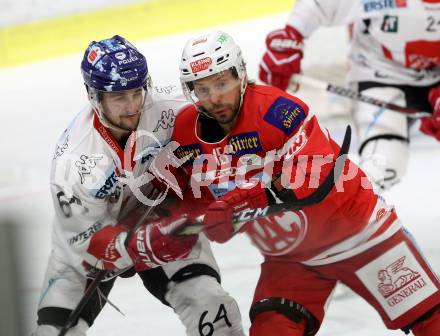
<point>37,103</point>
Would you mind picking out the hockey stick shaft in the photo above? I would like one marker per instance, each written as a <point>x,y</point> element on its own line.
<point>244,216</point>
<point>354,95</point>
<point>101,274</point>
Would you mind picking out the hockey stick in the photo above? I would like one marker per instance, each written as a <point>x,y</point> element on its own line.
<point>241,217</point>
<point>101,274</point>
<point>351,94</point>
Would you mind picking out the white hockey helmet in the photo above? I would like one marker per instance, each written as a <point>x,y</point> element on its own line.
<point>210,54</point>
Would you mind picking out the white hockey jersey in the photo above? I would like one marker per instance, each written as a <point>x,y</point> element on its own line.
<point>393,42</point>
<point>89,166</point>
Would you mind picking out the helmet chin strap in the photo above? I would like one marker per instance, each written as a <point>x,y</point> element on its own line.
<point>244,83</point>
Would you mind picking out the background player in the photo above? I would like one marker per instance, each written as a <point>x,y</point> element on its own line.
<point>394,56</point>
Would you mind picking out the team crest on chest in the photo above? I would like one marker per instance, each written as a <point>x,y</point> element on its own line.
<point>278,234</point>
<point>397,280</point>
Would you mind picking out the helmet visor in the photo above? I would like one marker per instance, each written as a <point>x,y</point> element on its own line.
<point>213,88</point>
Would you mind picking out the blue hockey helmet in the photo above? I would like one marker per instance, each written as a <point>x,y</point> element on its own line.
<point>114,64</point>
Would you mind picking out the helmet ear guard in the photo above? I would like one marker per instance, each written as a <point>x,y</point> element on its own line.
<point>92,94</point>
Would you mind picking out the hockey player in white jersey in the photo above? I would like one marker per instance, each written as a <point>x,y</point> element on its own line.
<point>394,56</point>
<point>100,172</point>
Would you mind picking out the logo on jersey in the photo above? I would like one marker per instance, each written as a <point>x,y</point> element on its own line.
<point>396,276</point>
<point>193,151</point>
<point>201,64</point>
<point>60,149</point>
<point>397,280</point>
<point>285,115</point>
<point>107,187</point>
<point>244,143</point>
<point>390,24</point>
<point>294,145</point>
<point>278,234</point>
<point>382,213</point>
<point>85,164</point>
<point>84,235</point>
<point>422,54</point>
<point>377,5</point>
<point>166,121</point>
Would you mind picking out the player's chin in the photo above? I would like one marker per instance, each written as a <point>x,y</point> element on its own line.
<point>225,119</point>
<point>130,123</point>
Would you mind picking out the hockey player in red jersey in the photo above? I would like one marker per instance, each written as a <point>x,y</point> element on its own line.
<point>394,56</point>
<point>249,146</point>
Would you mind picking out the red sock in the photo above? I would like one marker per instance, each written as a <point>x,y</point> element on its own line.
<point>276,324</point>
<point>428,327</point>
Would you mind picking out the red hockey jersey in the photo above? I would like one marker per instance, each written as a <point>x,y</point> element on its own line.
<point>275,133</point>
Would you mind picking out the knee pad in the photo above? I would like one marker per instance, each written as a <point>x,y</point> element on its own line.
<point>80,329</point>
<point>57,315</point>
<point>385,160</point>
<point>383,138</point>
<point>296,313</point>
<point>156,280</point>
<point>204,307</point>
<point>274,323</point>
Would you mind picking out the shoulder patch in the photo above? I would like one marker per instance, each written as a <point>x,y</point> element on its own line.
<point>245,143</point>
<point>285,114</point>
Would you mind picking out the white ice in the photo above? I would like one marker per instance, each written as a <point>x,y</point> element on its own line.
<point>38,101</point>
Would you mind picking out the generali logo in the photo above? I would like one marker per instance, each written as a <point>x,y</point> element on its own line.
<point>398,282</point>
<point>201,64</point>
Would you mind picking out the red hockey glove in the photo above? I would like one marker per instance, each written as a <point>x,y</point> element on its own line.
<point>106,246</point>
<point>154,244</point>
<point>282,58</point>
<point>431,125</point>
<point>218,217</point>
<point>151,245</point>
